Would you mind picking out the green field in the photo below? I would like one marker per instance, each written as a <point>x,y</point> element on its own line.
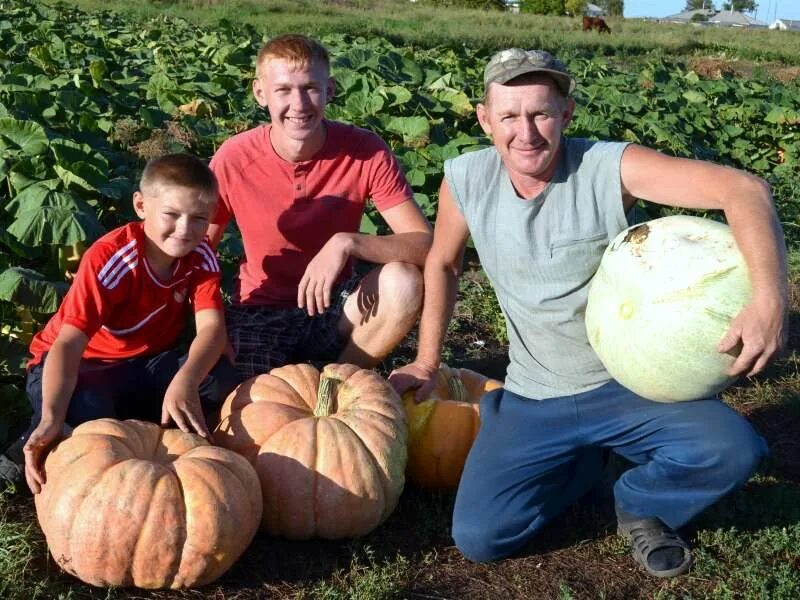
<point>87,95</point>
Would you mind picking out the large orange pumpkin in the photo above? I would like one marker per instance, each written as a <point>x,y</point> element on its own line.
<point>329,448</point>
<point>441,429</point>
<point>128,503</point>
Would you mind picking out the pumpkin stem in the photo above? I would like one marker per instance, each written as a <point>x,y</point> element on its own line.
<point>457,390</point>
<point>325,396</point>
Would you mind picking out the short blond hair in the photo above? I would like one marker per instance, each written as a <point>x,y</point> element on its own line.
<point>299,51</point>
<point>181,170</point>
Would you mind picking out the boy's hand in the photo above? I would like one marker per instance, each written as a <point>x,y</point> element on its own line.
<point>182,406</point>
<point>36,449</point>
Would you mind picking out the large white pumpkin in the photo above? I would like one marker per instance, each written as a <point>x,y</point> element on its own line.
<point>660,302</point>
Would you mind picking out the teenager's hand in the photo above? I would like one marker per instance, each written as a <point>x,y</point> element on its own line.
<point>36,449</point>
<point>415,375</point>
<point>182,406</point>
<point>314,290</point>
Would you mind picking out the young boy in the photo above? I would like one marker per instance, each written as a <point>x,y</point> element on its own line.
<point>110,351</point>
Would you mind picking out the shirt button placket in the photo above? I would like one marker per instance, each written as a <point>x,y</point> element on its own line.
<point>299,182</point>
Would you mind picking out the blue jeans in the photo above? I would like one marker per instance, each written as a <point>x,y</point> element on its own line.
<point>534,458</point>
<point>129,389</point>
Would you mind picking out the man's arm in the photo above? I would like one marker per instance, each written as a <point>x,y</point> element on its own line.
<point>182,398</point>
<point>749,210</point>
<point>59,378</point>
<point>442,269</point>
<point>409,242</point>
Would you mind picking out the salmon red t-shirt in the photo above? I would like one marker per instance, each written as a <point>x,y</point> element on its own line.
<point>123,307</point>
<point>287,211</point>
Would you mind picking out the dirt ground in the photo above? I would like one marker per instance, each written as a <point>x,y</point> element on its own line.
<point>576,556</point>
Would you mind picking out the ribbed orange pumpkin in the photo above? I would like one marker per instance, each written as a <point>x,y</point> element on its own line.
<point>441,429</point>
<point>128,503</point>
<point>329,448</point>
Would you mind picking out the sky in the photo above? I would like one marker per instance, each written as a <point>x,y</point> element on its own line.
<point>767,11</point>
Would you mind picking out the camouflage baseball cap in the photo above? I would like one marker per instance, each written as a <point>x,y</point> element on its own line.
<point>508,64</point>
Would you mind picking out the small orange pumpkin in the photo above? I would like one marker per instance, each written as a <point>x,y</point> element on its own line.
<point>128,503</point>
<point>329,448</point>
<point>442,428</point>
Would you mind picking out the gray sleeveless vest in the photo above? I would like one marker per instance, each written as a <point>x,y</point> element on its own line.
<point>540,255</point>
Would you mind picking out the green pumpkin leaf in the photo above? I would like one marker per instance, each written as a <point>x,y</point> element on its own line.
<point>415,130</point>
<point>416,178</point>
<point>32,195</point>
<point>458,102</point>
<point>97,71</point>
<point>82,175</point>
<point>55,218</point>
<point>397,95</point>
<point>367,226</point>
<point>10,242</point>
<point>29,289</point>
<point>694,96</point>
<point>28,136</point>
<point>783,115</point>
<point>364,103</point>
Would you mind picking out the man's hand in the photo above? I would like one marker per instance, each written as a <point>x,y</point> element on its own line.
<point>415,375</point>
<point>760,328</point>
<point>314,290</point>
<point>182,405</point>
<point>36,449</point>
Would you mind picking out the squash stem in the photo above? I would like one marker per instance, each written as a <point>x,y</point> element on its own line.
<point>325,397</point>
<point>457,390</point>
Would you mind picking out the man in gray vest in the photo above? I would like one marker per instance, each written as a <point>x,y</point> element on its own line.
<point>541,208</point>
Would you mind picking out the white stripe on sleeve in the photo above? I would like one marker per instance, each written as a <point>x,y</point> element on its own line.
<point>113,260</point>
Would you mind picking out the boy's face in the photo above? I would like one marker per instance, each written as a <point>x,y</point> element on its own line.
<point>175,219</point>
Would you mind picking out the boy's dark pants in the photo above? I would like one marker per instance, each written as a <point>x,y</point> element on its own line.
<point>130,389</point>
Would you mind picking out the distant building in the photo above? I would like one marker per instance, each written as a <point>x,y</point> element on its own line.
<point>709,16</point>
<point>690,16</point>
<point>732,18</point>
<point>786,25</point>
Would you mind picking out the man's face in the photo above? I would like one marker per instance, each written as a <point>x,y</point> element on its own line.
<point>175,220</point>
<point>295,98</point>
<point>525,119</point>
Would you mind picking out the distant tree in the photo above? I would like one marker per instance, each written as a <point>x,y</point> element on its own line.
<point>575,7</point>
<point>613,8</point>
<point>542,7</point>
<point>741,5</point>
<point>699,17</point>
<point>481,4</point>
<point>698,4</point>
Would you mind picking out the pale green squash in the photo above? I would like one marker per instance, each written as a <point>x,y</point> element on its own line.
<point>660,302</point>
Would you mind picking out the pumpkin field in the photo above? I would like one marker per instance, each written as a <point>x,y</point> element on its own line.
<point>87,96</point>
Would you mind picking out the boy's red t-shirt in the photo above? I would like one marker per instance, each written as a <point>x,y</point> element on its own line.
<point>286,211</point>
<point>123,307</point>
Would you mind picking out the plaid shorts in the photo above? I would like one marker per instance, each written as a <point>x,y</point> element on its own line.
<point>266,337</point>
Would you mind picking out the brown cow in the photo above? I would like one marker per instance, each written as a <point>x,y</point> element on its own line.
<point>597,23</point>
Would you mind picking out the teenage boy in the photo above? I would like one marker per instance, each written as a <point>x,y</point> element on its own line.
<point>110,350</point>
<point>297,188</point>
